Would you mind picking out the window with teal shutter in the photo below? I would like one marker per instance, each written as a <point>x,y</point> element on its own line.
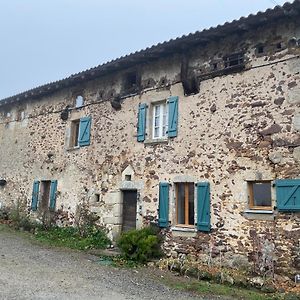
<point>35,195</point>
<point>173,116</point>
<point>288,194</point>
<point>53,190</point>
<point>163,209</point>
<point>203,206</point>
<point>141,126</point>
<point>84,131</point>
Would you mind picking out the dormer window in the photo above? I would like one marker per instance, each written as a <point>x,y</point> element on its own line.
<point>260,49</point>
<point>233,60</point>
<point>79,101</point>
<point>131,83</point>
<point>279,46</point>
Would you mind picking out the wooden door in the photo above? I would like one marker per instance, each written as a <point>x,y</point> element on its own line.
<point>129,210</point>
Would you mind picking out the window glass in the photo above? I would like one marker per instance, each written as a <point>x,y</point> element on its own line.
<point>180,204</point>
<point>79,101</point>
<point>165,120</point>
<point>185,204</point>
<point>191,203</point>
<point>74,133</point>
<point>160,120</point>
<point>260,194</point>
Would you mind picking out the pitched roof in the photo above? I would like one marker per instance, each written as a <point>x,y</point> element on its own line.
<point>168,47</point>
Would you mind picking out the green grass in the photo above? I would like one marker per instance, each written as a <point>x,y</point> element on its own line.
<point>70,237</point>
<point>208,289</point>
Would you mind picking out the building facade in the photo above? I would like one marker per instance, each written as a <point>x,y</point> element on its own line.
<point>199,135</point>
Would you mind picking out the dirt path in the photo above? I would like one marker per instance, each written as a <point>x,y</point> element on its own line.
<point>32,271</point>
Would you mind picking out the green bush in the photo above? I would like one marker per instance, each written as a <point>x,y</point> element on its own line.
<point>71,237</point>
<point>140,245</point>
<point>20,219</point>
<point>4,213</point>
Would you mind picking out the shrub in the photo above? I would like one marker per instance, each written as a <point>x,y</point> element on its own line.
<point>4,213</point>
<point>140,245</point>
<point>85,220</point>
<point>95,237</point>
<point>19,217</point>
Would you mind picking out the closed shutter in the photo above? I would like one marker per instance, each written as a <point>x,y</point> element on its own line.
<point>173,116</point>
<point>288,194</point>
<point>35,195</point>
<point>141,126</point>
<point>53,190</point>
<point>203,206</point>
<point>84,131</point>
<point>163,209</point>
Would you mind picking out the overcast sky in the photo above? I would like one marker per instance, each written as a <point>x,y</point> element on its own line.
<point>46,40</point>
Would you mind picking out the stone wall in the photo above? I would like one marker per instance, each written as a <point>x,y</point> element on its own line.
<point>240,127</point>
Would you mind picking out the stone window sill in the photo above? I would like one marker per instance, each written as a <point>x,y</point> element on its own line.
<point>258,211</point>
<point>156,141</point>
<point>184,231</point>
<point>73,148</point>
<point>264,215</point>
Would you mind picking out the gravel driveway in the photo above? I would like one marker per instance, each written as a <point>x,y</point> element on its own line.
<point>31,271</point>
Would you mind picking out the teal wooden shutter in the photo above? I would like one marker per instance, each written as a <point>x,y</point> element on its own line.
<point>141,126</point>
<point>173,116</point>
<point>53,190</point>
<point>203,206</point>
<point>163,209</point>
<point>84,131</point>
<point>288,194</point>
<point>35,195</point>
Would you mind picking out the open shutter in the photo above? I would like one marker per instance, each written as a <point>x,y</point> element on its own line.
<point>84,131</point>
<point>53,190</point>
<point>173,116</point>
<point>203,206</point>
<point>163,210</point>
<point>35,195</point>
<point>288,194</point>
<point>141,126</point>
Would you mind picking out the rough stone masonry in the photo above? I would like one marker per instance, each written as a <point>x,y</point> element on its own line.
<point>237,127</point>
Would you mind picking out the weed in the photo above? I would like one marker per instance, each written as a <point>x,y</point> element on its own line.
<point>70,237</point>
<point>209,289</point>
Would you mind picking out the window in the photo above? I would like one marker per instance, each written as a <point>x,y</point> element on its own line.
<point>233,60</point>
<point>127,177</point>
<point>260,195</point>
<point>80,132</point>
<point>160,121</point>
<point>279,46</point>
<point>79,101</point>
<point>185,204</point>
<point>260,49</point>
<point>75,133</point>
<point>44,195</point>
<point>97,198</point>
<point>214,66</point>
<point>131,83</point>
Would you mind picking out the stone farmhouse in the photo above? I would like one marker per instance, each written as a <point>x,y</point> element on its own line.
<point>198,135</point>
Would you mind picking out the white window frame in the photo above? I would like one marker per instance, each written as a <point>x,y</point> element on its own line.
<point>79,101</point>
<point>160,128</point>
